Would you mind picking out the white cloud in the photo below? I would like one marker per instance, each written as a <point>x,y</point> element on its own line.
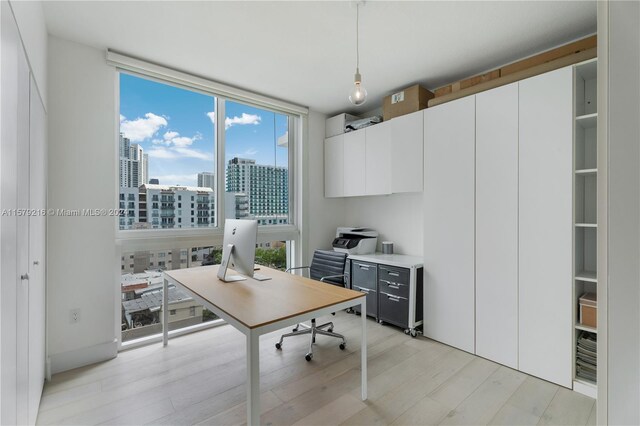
<point>175,152</point>
<point>212,116</point>
<point>170,135</point>
<point>283,141</point>
<point>174,139</point>
<point>142,128</point>
<point>187,180</point>
<point>193,153</point>
<point>244,119</point>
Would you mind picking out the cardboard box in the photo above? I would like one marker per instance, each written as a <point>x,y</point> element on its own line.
<point>334,126</point>
<point>589,309</point>
<point>409,100</point>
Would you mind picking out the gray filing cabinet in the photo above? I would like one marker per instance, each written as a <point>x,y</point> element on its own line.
<point>393,284</point>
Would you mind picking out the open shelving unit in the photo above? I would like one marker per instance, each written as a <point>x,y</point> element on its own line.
<point>585,214</point>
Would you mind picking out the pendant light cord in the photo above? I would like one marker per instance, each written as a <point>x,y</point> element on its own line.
<point>357,36</point>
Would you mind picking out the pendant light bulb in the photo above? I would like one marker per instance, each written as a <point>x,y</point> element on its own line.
<point>358,94</point>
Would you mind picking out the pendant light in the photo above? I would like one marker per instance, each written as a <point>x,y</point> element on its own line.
<point>358,94</point>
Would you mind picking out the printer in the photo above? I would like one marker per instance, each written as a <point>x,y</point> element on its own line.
<point>355,240</point>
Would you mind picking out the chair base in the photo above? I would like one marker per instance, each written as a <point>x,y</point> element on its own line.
<point>313,330</point>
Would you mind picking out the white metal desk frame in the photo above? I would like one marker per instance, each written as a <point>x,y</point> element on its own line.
<point>253,339</point>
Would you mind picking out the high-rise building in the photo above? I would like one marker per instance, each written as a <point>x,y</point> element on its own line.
<point>166,206</point>
<point>133,164</point>
<point>267,187</point>
<point>207,180</point>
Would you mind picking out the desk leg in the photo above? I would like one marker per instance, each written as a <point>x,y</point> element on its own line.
<point>165,312</point>
<point>253,378</point>
<point>363,348</point>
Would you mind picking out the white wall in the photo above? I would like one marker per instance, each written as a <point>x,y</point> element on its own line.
<point>33,31</point>
<point>623,290</point>
<point>324,214</point>
<point>81,250</point>
<point>397,217</point>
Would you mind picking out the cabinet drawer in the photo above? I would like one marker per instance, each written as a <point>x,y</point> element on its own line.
<point>364,274</point>
<point>394,275</point>
<point>394,309</point>
<point>372,301</point>
<point>393,288</point>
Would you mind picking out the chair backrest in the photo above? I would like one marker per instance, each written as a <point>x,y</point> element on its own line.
<point>327,263</point>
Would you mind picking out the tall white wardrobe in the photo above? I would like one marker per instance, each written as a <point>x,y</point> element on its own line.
<point>498,224</point>
<point>22,234</point>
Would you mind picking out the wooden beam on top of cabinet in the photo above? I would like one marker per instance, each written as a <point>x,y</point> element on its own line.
<point>517,76</point>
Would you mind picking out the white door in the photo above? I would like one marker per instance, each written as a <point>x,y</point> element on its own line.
<point>545,228</point>
<point>407,135</point>
<point>334,166</point>
<point>378,159</point>
<point>497,225</point>
<point>37,244</point>
<point>354,163</point>
<point>14,193</point>
<point>449,193</point>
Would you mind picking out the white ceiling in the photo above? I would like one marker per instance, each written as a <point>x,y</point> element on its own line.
<point>304,52</point>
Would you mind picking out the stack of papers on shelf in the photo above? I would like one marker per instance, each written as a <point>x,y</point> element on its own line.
<point>587,356</point>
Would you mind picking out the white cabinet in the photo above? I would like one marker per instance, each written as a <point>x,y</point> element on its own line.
<point>449,209</point>
<point>545,228</point>
<point>378,152</point>
<point>354,163</point>
<point>407,136</point>
<point>334,166</point>
<point>497,225</point>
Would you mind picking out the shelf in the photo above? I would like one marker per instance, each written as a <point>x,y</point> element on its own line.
<point>587,171</point>
<point>587,121</point>
<point>586,328</point>
<point>589,276</point>
<point>586,225</point>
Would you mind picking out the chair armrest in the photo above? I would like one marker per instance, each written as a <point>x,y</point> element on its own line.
<point>332,276</point>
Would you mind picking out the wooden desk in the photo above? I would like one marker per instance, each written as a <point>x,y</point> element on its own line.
<point>260,307</point>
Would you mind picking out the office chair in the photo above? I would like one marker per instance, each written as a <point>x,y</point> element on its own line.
<point>326,266</point>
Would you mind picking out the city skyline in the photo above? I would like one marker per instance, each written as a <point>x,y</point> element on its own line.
<point>175,128</point>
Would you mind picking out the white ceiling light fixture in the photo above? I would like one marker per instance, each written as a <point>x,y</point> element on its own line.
<point>358,94</point>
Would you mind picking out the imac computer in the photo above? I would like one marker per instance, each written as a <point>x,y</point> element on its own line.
<point>239,250</point>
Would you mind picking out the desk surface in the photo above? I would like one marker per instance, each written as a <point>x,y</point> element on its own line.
<point>258,303</point>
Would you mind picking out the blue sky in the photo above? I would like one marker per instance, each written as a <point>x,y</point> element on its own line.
<point>175,127</point>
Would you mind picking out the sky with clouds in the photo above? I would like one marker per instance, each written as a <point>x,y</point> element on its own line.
<point>176,128</point>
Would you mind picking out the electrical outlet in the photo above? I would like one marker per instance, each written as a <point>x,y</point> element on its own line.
<point>74,316</point>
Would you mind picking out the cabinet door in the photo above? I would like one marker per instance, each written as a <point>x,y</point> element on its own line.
<point>449,192</point>
<point>334,166</point>
<point>378,159</point>
<point>407,135</point>
<point>497,225</point>
<point>354,163</point>
<point>545,241</point>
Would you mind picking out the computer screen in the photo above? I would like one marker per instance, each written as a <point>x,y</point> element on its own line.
<point>239,249</point>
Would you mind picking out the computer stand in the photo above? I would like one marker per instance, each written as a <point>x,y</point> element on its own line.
<point>222,270</point>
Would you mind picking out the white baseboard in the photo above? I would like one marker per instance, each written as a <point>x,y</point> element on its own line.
<point>85,356</point>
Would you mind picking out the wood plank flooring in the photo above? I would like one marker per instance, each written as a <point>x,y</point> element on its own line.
<point>200,379</point>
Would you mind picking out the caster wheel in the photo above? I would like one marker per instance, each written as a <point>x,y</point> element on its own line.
<point>406,331</point>
<point>342,346</point>
<point>295,329</point>
<point>308,357</point>
<point>414,333</point>
<point>313,340</point>
<point>278,346</point>
<point>349,311</point>
<point>330,330</point>
<point>380,322</point>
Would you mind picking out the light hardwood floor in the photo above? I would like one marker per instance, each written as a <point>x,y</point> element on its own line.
<point>199,379</point>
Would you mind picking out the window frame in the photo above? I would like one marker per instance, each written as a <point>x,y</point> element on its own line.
<point>147,239</point>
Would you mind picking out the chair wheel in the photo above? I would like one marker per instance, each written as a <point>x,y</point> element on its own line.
<point>414,333</point>
<point>313,340</point>
<point>330,330</point>
<point>295,329</point>
<point>308,356</point>
<point>342,346</point>
<point>278,346</point>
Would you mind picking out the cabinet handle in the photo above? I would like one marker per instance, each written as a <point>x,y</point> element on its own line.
<point>393,299</point>
<point>24,277</point>
<point>394,274</point>
<point>36,262</point>
<point>366,268</point>
<point>395,287</point>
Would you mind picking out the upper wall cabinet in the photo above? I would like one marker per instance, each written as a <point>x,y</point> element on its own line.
<point>382,159</point>
<point>407,154</point>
